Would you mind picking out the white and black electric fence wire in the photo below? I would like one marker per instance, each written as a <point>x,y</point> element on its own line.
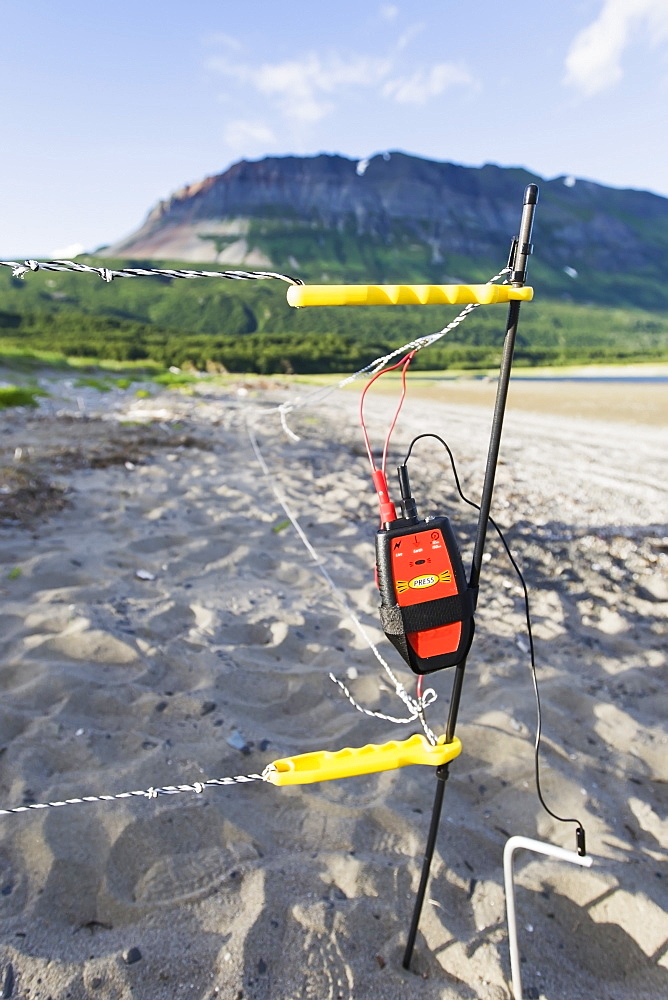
<point>20,269</point>
<point>149,793</point>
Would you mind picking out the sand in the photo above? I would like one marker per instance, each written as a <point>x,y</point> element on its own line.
<point>162,623</point>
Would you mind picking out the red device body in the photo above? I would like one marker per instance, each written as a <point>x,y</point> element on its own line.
<point>426,605</point>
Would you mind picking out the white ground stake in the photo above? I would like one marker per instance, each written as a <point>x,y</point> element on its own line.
<point>540,848</point>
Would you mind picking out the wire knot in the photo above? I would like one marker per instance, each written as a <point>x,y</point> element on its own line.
<point>151,793</point>
<point>20,270</point>
<point>428,698</point>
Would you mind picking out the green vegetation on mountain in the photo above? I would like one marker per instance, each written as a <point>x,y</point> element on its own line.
<point>248,326</point>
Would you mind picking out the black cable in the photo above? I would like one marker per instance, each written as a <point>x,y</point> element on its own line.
<point>580,832</point>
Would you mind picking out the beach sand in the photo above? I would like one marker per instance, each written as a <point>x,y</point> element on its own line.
<point>162,623</point>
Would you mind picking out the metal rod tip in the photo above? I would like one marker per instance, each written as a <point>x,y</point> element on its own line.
<point>531,194</point>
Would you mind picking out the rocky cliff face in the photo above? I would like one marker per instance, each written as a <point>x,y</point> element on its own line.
<point>398,217</point>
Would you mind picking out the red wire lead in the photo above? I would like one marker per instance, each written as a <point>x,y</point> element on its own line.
<point>387,509</point>
<point>407,360</point>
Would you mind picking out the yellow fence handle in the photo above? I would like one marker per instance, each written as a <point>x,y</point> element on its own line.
<point>396,295</point>
<point>326,765</point>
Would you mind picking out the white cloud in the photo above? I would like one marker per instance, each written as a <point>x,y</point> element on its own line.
<point>303,87</point>
<point>297,85</point>
<point>244,135</point>
<point>389,11</point>
<point>307,88</point>
<point>227,41</point>
<point>422,85</point>
<point>593,62</point>
<point>409,34</point>
<point>66,253</point>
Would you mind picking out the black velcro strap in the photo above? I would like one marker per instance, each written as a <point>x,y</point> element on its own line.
<point>391,620</point>
<point>431,614</point>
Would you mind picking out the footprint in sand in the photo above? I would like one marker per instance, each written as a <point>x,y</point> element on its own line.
<point>317,933</point>
<point>158,543</point>
<point>239,633</point>
<point>172,619</point>
<point>206,551</point>
<point>174,857</point>
<point>89,645</point>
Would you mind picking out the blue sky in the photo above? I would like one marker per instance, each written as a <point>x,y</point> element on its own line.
<point>106,108</point>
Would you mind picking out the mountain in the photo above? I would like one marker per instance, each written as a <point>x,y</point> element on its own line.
<point>396,217</point>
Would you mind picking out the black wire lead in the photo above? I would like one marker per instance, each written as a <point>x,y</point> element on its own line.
<point>580,831</point>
